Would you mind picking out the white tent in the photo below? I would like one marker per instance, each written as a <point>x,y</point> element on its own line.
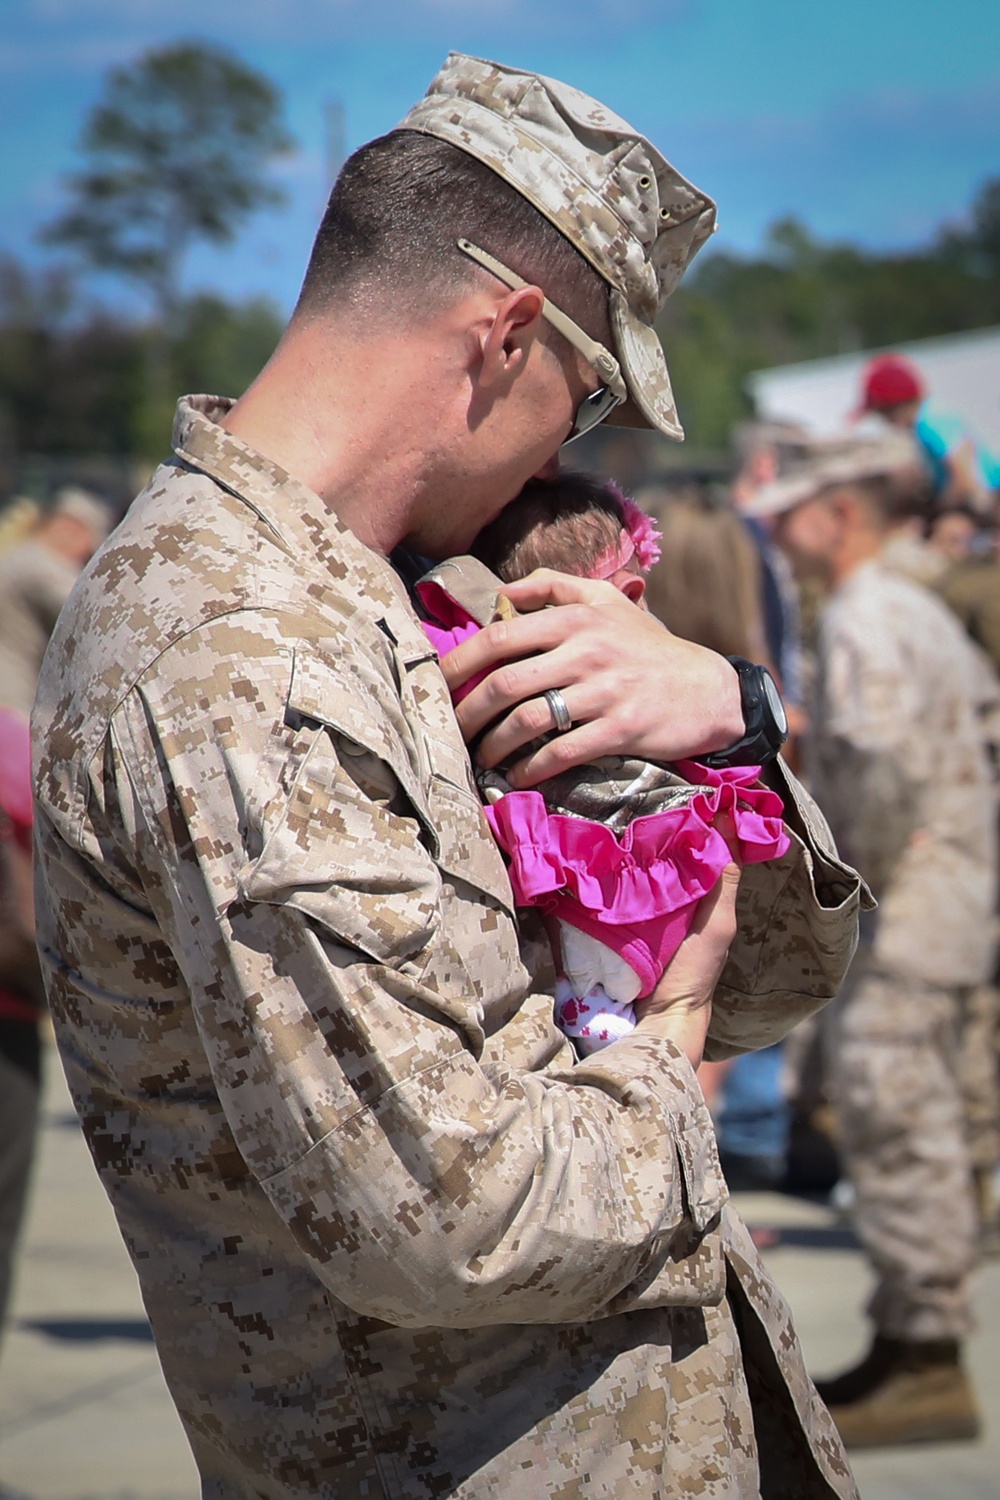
<point>962,372</point>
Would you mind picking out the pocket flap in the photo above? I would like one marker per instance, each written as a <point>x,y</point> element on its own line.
<point>360,839</point>
<point>354,704</point>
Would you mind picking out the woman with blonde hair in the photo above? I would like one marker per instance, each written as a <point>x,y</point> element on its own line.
<point>708,587</point>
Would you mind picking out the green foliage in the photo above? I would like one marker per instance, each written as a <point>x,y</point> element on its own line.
<point>177,151</point>
<point>219,348</point>
<point>803,299</point>
<point>63,382</point>
<point>76,380</point>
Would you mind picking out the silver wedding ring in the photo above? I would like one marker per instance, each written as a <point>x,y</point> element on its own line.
<point>561,717</point>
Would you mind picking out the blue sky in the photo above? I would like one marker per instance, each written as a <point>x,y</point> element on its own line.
<point>871,120</point>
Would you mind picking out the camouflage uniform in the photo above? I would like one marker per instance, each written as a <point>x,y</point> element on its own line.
<point>392,1239</point>
<point>978,609</point>
<point>900,770</point>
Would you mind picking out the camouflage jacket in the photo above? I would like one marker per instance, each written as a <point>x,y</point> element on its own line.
<point>393,1240</point>
<point>900,766</point>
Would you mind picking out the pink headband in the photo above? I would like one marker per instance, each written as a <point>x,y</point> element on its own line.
<point>639,539</point>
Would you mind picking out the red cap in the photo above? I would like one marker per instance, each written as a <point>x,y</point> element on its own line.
<point>890,380</point>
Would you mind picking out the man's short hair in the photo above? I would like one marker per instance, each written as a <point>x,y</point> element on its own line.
<point>388,237</point>
<point>905,494</point>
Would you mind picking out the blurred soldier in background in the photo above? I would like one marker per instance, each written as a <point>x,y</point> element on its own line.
<point>709,586</point>
<point>953,552</point>
<point>21,995</point>
<point>900,768</point>
<point>36,577</point>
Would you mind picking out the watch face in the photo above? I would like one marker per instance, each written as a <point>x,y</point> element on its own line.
<point>774,702</point>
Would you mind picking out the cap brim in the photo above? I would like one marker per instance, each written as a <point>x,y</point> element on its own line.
<point>780,495</point>
<point>650,399</point>
<point>841,465</point>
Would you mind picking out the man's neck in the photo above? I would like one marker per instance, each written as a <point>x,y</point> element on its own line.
<point>348,420</point>
<point>856,550</point>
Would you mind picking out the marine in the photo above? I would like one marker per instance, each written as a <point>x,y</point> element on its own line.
<point>899,764</point>
<point>393,1239</point>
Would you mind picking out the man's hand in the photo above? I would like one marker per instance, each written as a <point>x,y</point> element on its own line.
<point>681,1005</point>
<point>630,686</point>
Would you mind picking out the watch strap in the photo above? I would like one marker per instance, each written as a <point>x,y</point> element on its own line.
<point>763,737</point>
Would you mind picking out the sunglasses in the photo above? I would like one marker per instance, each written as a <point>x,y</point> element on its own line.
<point>611,392</point>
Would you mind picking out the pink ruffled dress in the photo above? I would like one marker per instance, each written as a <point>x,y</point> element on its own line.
<point>623,902</point>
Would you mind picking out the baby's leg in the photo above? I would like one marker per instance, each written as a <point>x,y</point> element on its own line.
<point>594,992</point>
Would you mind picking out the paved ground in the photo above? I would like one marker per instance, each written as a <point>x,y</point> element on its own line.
<point>85,1415</point>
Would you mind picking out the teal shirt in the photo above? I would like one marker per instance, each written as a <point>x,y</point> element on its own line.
<point>939,434</point>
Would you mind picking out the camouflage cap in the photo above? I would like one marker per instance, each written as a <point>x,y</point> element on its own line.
<point>833,465</point>
<point>84,506</point>
<point>601,183</point>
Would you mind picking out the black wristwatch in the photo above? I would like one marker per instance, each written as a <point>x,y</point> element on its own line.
<point>763,714</point>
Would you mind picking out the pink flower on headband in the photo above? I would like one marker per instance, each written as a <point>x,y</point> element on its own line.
<point>645,537</point>
<point>639,539</point>
<point>643,534</point>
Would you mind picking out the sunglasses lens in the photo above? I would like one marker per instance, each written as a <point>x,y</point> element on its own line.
<point>592,410</point>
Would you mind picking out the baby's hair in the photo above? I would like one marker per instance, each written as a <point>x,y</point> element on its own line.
<point>569,523</point>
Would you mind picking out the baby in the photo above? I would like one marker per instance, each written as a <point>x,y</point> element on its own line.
<point>618,854</point>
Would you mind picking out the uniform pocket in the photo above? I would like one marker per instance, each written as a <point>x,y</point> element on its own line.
<point>466,849</point>
<point>464,846</point>
<point>350,839</point>
<point>369,818</point>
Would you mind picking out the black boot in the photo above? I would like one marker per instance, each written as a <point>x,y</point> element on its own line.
<point>855,1383</point>
<point>903,1392</point>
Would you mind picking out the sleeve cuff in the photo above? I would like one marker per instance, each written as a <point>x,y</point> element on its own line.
<point>645,1073</point>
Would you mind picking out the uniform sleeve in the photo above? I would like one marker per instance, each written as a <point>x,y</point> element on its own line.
<point>357,1045</point>
<point>797,929</point>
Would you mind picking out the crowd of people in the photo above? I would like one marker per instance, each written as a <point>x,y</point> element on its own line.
<point>873,587</point>
<point>395,1214</point>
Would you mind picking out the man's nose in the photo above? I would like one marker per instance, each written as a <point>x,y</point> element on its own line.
<point>549,470</point>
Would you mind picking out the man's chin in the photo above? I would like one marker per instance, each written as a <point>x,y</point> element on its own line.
<point>488,519</point>
<point>461,541</point>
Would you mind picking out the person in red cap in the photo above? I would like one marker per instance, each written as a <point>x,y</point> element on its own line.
<point>962,472</point>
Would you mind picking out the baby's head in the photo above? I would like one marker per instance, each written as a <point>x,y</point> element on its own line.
<point>575,524</point>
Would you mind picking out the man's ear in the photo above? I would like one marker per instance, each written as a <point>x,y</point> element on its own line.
<point>847,509</point>
<point>634,588</point>
<point>507,339</point>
